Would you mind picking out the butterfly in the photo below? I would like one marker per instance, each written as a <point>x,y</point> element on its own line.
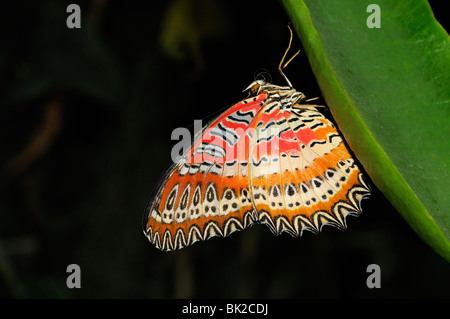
<point>269,159</point>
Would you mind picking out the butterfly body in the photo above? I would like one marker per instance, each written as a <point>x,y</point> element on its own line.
<point>268,159</point>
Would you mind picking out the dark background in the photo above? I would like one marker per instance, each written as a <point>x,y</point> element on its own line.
<point>86,117</point>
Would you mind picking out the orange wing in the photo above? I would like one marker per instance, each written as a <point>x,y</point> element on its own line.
<point>266,159</point>
<point>206,193</point>
<point>307,178</point>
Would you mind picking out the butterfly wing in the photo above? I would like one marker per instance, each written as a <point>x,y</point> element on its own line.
<point>206,193</point>
<point>287,168</point>
<point>302,176</point>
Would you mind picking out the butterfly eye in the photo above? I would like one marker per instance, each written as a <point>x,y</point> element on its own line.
<point>254,89</point>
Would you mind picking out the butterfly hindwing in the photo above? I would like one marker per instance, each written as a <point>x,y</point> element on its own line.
<point>302,176</point>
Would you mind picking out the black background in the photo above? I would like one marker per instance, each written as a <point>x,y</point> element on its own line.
<point>86,117</point>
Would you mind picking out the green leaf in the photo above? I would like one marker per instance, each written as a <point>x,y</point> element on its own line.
<point>389,90</point>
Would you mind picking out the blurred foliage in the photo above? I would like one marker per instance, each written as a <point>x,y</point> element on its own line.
<point>188,23</point>
<point>85,122</point>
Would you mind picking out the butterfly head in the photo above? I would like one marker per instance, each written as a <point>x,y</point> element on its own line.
<point>255,87</point>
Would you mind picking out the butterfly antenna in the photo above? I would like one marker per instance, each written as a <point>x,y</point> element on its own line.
<point>282,66</point>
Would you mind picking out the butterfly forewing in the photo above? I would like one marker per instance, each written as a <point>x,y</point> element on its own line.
<point>206,193</point>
